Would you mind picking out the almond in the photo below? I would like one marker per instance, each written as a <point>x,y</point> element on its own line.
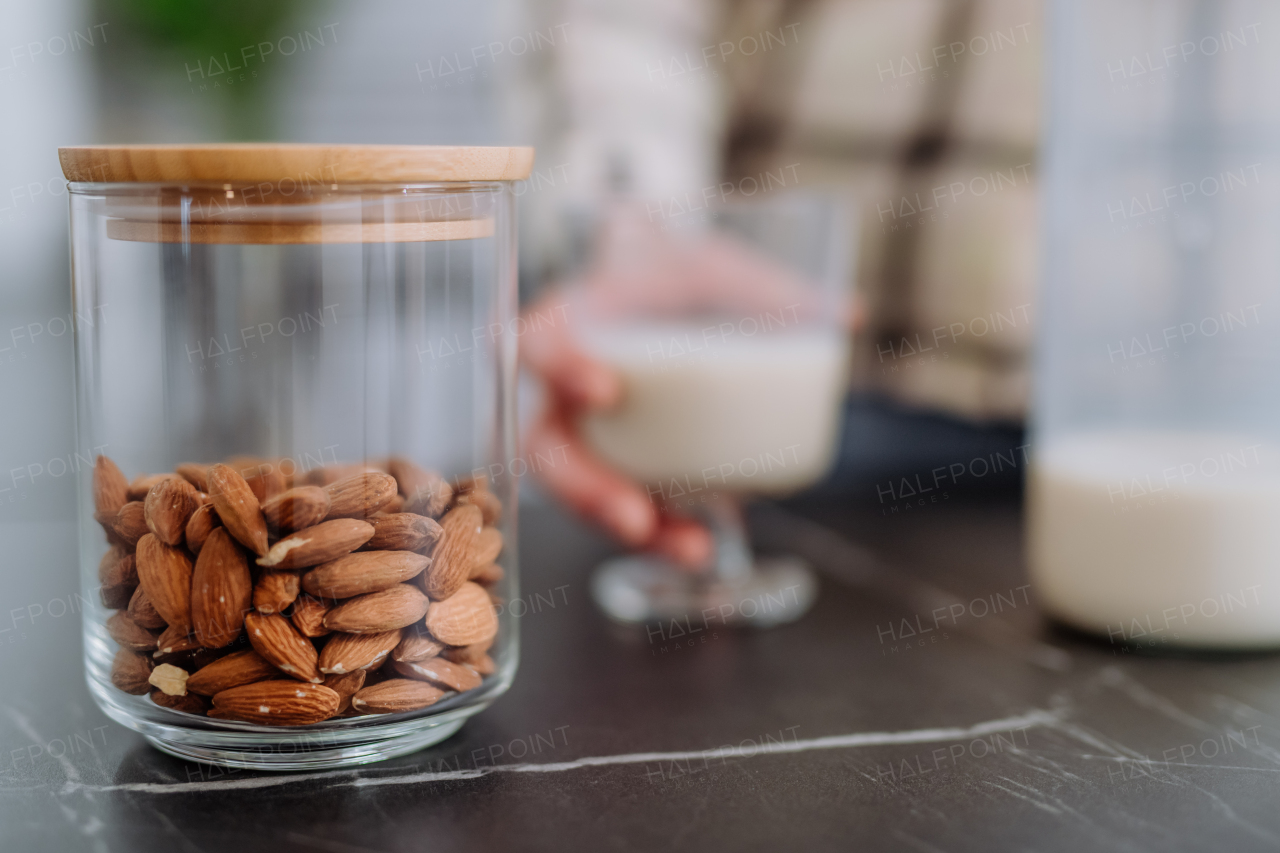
<point>464,618</point>
<point>395,696</point>
<point>165,573</point>
<point>308,616</point>
<point>275,591</point>
<point>265,480</point>
<point>144,613</point>
<point>297,508</point>
<point>487,501</point>
<point>167,508</point>
<point>235,669</point>
<point>441,673</point>
<point>130,670</point>
<point>330,474</point>
<point>110,488</point>
<point>238,508</point>
<point>403,531</point>
<point>360,496</point>
<point>320,544</point>
<point>484,666</point>
<point>363,572</point>
<point>487,575</point>
<point>376,663</point>
<point>470,483</point>
<point>277,703</point>
<point>396,504</point>
<point>174,640</point>
<point>188,703</point>
<point>196,475</point>
<point>487,547</point>
<point>169,679</point>
<point>350,652</point>
<point>417,647</point>
<point>280,644</point>
<point>143,483</point>
<point>221,590</point>
<point>398,607</point>
<point>200,525</point>
<point>118,572</point>
<point>455,553</point>
<point>130,523</point>
<point>466,654</point>
<point>425,492</point>
<point>130,635</point>
<point>346,685</point>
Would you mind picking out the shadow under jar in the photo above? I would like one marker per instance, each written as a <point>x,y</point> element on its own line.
<point>295,367</point>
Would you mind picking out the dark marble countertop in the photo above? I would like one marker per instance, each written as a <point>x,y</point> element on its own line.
<point>855,728</point>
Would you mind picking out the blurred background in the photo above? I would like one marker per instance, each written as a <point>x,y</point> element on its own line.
<point>922,114</point>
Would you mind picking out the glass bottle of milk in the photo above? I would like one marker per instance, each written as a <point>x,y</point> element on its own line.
<point>1154,493</point>
<point>733,379</point>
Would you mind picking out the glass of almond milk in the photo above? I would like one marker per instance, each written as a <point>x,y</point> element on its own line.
<point>733,385</point>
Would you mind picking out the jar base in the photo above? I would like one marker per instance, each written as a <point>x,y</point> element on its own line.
<point>271,756</point>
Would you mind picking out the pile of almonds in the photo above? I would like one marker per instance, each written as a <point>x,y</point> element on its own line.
<point>245,594</point>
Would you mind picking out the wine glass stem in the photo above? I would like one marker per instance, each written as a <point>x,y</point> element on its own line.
<point>732,560</point>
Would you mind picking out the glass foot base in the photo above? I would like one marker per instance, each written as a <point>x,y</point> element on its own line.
<point>306,753</point>
<point>640,589</point>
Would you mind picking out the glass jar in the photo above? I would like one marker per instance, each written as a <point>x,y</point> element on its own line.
<point>297,376</point>
<point>1154,491</point>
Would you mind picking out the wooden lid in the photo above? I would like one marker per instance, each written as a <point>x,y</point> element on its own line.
<point>324,164</point>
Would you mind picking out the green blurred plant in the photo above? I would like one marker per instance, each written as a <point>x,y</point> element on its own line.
<point>187,33</point>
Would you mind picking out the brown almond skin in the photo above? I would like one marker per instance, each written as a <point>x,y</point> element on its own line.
<point>144,613</point>
<point>329,474</point>
<point>279,643</point>
<point>440,672</point>
<point>238,508</point>
<point>398,607</point>
<point>130,671</point>
<point>425,492</point>
<point>142,484</point>
<point>322,543</point>
<point>118,572</point>
<point>308,616</point>
<point>464,618</point>
<point>174,640</point>
<point>245,667</point>
<point>201,523</point>
<point>404,531</point>
<point>110,488</point>
<point>360,496</point>
<point>195,474</point>
<point>265,480</point>
<point>466,654</point>
<point>221,590</point>
<point>187,703</point>
<point>484,667</point>
<point>277,703</point>
<point>299,507</point>
<point>129,634</point>
<point>455,554</point>
<point>488,546</point>
<point>167,508</point>
<point>415,647</point>
<point>350,652</point>
<point>275,591</point>
<point>363,572</point>
<point>395,695</point>
<point>165,573</point>
<point>345,684</point>
<point>487,575</point>
<point>487,501</point>
<point>130,523</point>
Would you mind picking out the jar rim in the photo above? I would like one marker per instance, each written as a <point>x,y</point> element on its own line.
<point>321,163</point>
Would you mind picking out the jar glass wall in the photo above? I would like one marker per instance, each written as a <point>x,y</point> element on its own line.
<point>1155,486</point>
<point>346,351</point>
